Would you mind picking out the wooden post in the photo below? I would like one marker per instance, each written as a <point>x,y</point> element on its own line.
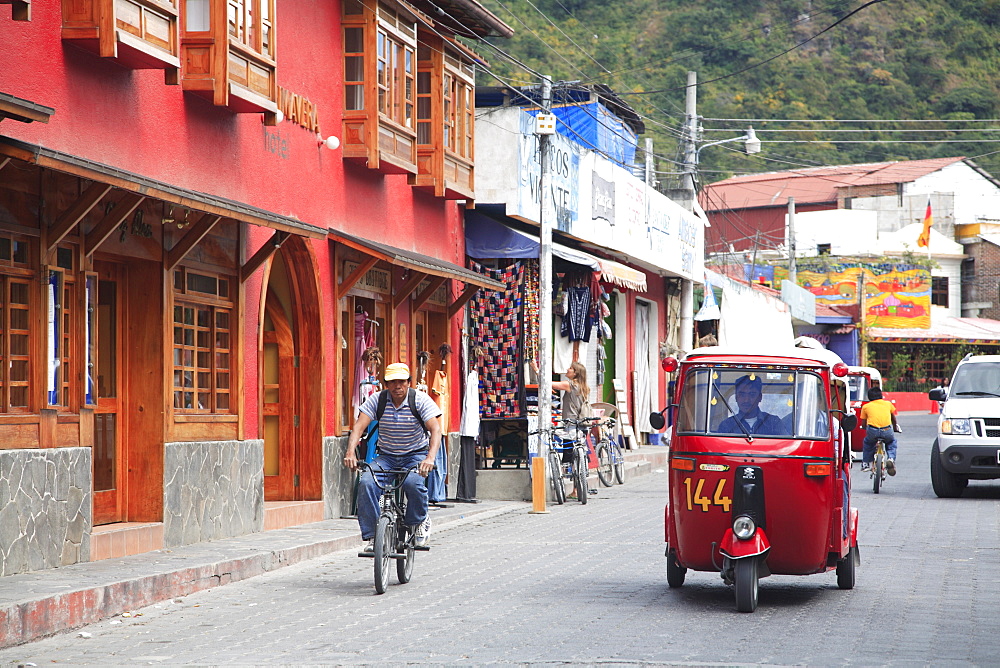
<point>538,486</point>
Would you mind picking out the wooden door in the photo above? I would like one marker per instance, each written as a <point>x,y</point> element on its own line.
<point>109,428</point>
<point>280,404</point>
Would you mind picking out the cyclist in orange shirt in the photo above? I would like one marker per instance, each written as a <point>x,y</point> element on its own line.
<point>878,418</point>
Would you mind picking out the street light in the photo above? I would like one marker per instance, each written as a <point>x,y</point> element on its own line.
<point>751,144</point>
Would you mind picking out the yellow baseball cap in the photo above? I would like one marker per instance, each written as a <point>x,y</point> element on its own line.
<point>397,371</point>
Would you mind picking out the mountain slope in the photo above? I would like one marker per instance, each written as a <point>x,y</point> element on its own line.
<point>772,61</point>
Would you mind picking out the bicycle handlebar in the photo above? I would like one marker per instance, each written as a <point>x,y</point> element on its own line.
<point>398,475</point>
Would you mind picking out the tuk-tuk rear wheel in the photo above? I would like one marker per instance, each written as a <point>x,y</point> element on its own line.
<point>675,572</point>
<point>746,582</point>
<point>845,569</point>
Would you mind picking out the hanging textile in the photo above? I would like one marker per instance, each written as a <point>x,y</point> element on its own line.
<point>577,322</point>
<point>495,318</point>
<point>531,287</point>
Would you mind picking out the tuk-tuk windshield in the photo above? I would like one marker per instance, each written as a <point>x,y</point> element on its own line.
<point>762,403</point>
<point>857,388</point>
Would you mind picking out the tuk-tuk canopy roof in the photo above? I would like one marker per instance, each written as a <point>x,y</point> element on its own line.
<point>870,371</point>
<point>757,355</point>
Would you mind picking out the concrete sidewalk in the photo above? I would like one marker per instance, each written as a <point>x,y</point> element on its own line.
<point>41,603</point>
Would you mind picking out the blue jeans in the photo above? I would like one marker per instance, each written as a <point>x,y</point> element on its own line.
<point>873,434</point>
<point>414,489</point>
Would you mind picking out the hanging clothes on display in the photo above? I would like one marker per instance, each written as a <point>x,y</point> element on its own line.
<point>469,431</point>
<point>531,289</point>
<point>496,319</point>
<point>437,480</point>
<point>364,340</point>
<point>578,321</point>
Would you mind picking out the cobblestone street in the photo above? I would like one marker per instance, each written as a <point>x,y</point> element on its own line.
<point>586,584</point>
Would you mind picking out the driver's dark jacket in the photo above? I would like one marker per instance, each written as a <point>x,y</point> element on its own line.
<point>766,424</point>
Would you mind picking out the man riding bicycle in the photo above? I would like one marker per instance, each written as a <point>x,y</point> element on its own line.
<point>878,419</point>
<point>409,435</point>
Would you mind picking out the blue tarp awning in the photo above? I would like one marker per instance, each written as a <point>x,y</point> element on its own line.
<point>489,238</point>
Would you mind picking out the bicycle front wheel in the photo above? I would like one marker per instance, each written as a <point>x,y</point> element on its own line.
<point>580,474</point>
<point>385,539</point>
<point>555,476</point>
<point>604,467</point>
<point>619,462</point>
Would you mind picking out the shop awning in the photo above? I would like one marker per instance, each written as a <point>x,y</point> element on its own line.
<point>622,275</point>
<point>488,238</point>
<point>949,330</point>
<point>147,187</point>
<point>412,260</point>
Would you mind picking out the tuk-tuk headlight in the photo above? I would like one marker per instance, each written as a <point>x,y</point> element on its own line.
<point>744,527</point>
<point>956,426</point>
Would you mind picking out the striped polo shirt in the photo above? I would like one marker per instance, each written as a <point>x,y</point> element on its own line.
<point>399,431</point>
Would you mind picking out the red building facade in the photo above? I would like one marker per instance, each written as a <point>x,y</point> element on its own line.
<point>197,198</point>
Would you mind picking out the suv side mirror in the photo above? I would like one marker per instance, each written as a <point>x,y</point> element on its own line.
<point>938,394</point>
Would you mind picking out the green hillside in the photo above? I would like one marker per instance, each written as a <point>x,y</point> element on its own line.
<point>777,60</point>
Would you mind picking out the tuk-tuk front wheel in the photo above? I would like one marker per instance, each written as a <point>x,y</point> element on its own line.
<point>675,572</point>
<point>746,581</point>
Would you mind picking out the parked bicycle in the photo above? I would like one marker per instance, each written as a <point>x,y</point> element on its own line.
<point>393,539</point>
<point>567,460</point>
<point>610,459</point>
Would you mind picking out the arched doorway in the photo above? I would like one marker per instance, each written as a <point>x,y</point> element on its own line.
<point>291,392</point>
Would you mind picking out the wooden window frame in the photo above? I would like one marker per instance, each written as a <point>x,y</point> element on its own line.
<point>379,126</point>
<point>238,71</point>
<point>138,34</point>
<point>183,298</point>
<point>445,119</point>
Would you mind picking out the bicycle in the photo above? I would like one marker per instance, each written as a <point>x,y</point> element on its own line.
<point>393,539</point>
<point>610,460</point>
<point>575,470</point>
<point>878,465</point>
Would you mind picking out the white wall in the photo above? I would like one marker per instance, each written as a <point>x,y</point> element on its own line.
<point>848,232</point>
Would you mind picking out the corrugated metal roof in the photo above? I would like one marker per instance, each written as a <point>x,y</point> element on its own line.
<point>812,186</point>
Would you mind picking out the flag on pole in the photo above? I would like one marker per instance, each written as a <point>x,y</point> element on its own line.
<point>924,239</point>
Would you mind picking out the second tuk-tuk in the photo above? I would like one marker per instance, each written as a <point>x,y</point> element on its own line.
<point>860,379</point>
<point>759,474</point>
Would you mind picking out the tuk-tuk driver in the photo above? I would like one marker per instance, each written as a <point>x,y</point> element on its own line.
<point>749,392</point>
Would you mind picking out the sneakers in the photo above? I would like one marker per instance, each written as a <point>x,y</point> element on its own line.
<point>423,533</point>
<point>890,467</point>
<point>369,546</point>
<point>865,468</point>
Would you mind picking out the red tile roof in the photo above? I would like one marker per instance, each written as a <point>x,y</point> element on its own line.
<point>811,186</point>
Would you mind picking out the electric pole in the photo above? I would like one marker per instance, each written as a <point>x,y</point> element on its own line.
<point>791,241</point>
<point>544,130</point>
<point>690,165</point>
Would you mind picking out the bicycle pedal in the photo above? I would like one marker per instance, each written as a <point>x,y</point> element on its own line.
<point>422,548</point>
<point>367,555</point>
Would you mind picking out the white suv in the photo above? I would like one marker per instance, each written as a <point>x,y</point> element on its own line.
<point>968,442</point>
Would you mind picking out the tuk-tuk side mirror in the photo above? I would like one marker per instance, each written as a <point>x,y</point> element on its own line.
<point>657,421</point>
<point>937,394</point>
<point>849,423</point>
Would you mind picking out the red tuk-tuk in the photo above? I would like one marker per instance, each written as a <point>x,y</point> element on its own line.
<point>759,474</point>
<point>860,379</point>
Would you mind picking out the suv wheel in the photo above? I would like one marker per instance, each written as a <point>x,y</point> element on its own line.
<point>946,485</point>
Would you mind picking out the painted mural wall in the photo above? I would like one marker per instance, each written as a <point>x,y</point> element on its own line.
<point>893,295</point>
